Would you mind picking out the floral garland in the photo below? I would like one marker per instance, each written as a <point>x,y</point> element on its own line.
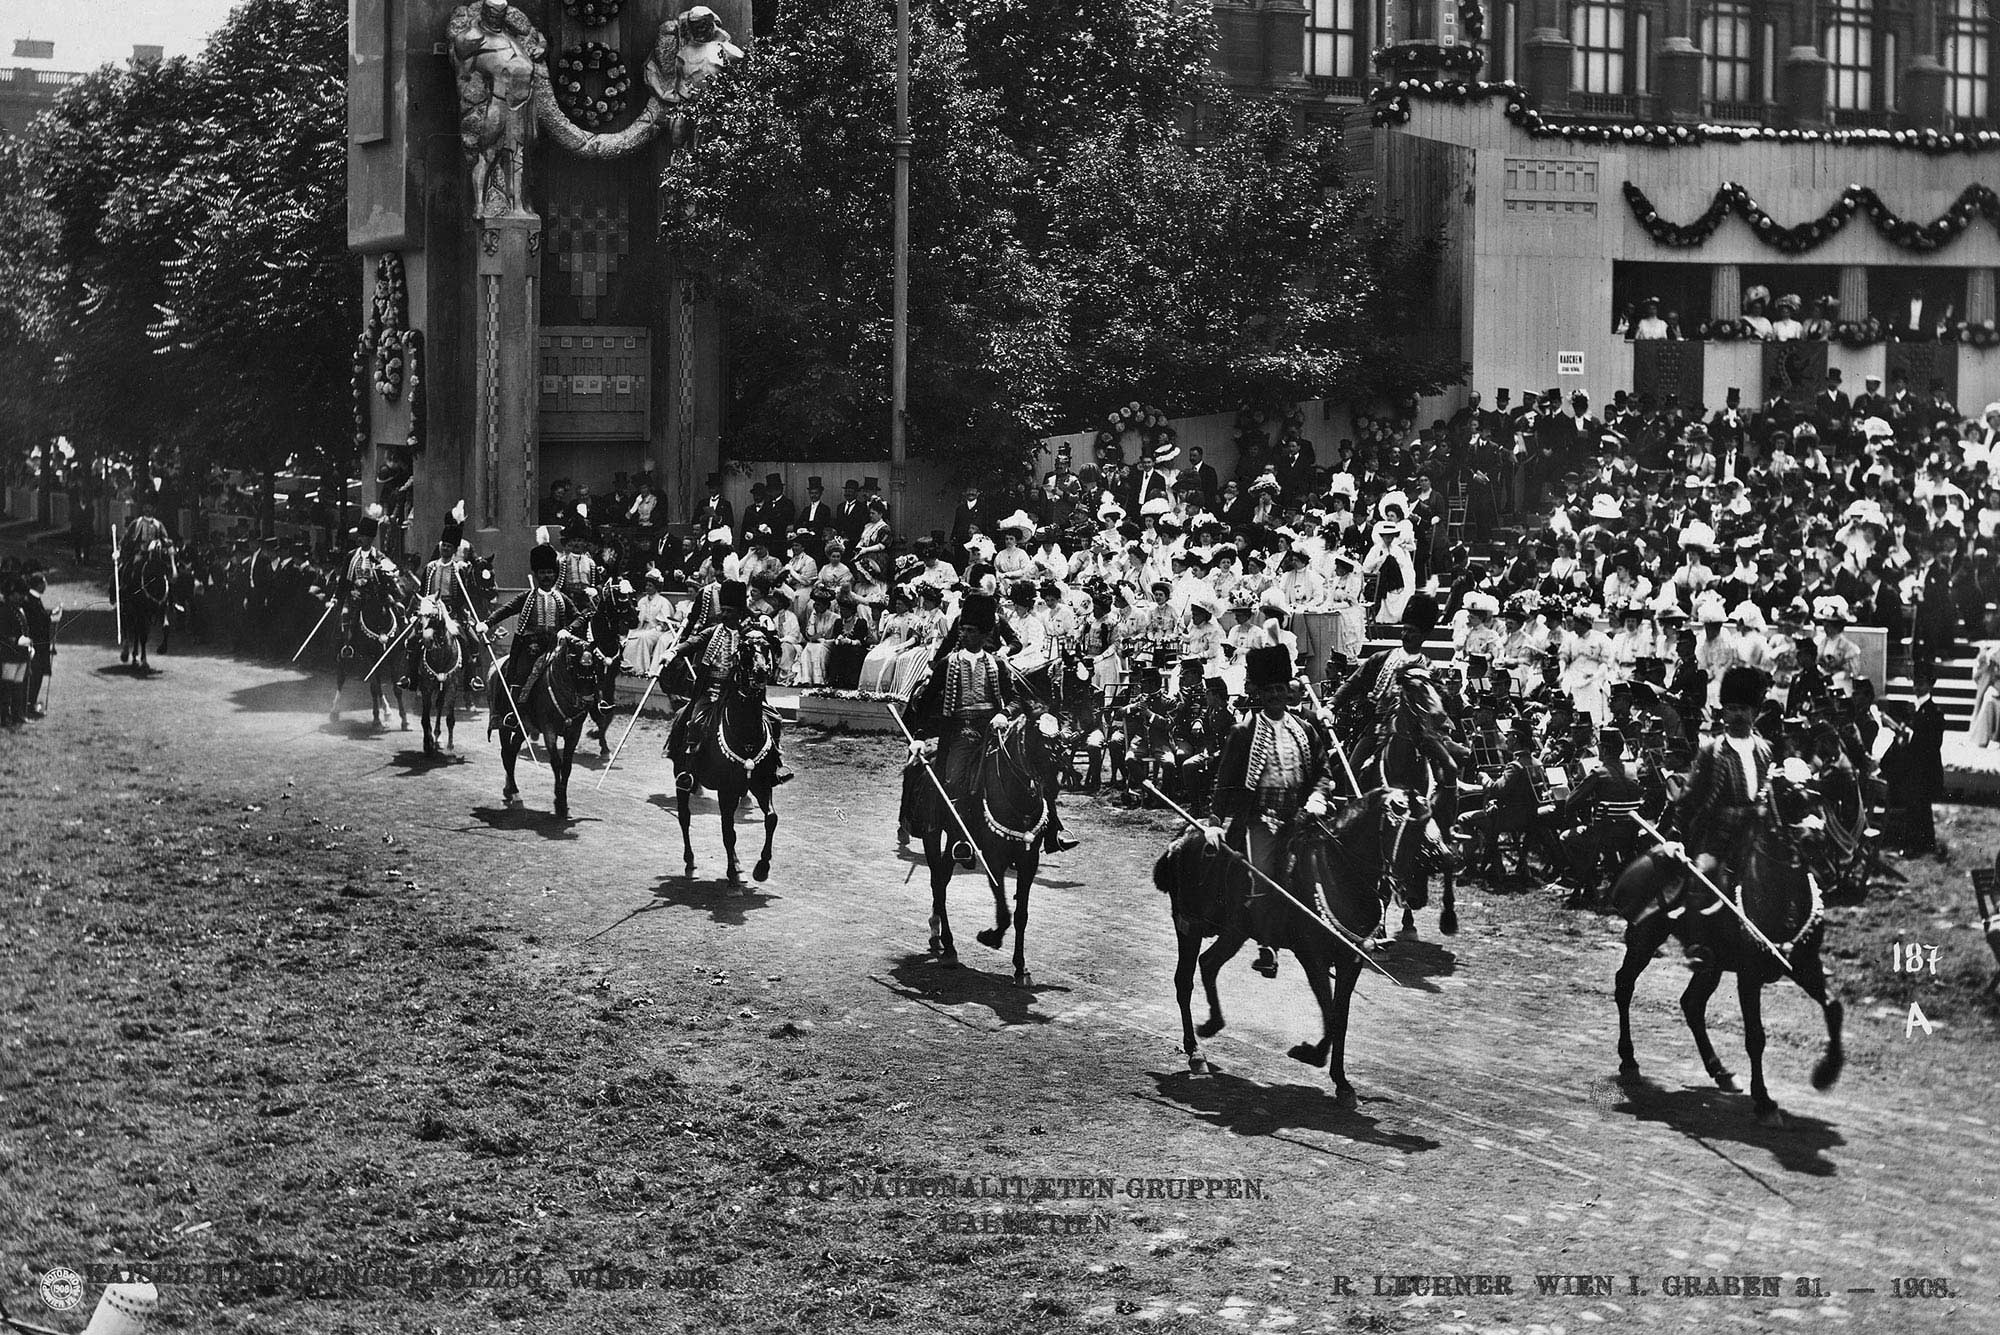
<point>1976,201</point>
<point>572,95</point>
<point>1471,21</point>
<point>1391,106</point>
<point>1149,422</point>
<point>1460,58</point>
<point>593,13</point>
<point>387,322</point>
<point>819,694</point>
<point>364,352</point>
<point>413,346</point>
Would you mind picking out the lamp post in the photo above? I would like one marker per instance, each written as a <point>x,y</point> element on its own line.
<point>899,353</point>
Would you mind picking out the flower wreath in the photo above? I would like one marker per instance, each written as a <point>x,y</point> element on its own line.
<point>593,13</point>
<point>1149,422</point>
<point>573,94</point>
<point>387,320</point>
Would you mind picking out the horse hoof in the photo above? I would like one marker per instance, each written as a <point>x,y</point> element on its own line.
<point>1628,1069</point>
<point>1197,1064</point>
<point>1024,979</point>
<point>1309,1053</point>
<point>1210,1027</point>
<point>949,960</point>
<point>762,871</point>
<point>1726,1081</point>
<point>1343,1097</point>
<point>1406,934</point>
<point>1448,922</point>
<point>562,811</point>
<point>1773,1117</point>
<point>991,938</point>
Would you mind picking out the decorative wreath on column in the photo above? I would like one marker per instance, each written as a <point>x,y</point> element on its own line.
<point>580,66</point>
<point>593,13</point>
<point>388,319</point>
<point>1471,21</point>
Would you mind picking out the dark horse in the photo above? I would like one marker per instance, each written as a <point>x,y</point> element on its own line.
<point>1006,812</point>
<point>439,667</point>
<point>1778,893</point>
<point>554,702</point>
<point>1364,842</point>
<point>369,624</point>
<point>1418,725</point>
<point>733,752</point>
<point>145,592</point>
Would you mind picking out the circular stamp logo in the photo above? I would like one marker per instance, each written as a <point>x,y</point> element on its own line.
<point>62,1288</point>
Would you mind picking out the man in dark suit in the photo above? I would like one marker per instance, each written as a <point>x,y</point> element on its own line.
<point>713,510</point>
<point>852,516</point>
<point>783,512</point>
<point>1913,767</point>
<point>1203,474</point>
<point>818,514</point>
<point>758,513</point>
<point>970,516</point>
<point>1147,482</point>
<point>1871,402</point>
<point>1831,406</point>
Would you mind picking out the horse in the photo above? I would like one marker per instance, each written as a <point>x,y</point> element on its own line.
<point>1350,857</point>
<point>1778,893</point>
<point>1006,812</point>
<point>439,662</point>
<point>733,751</point>
<point>369,623</point>
<point>145,592</point>
<point>1417,725</point>
<point>553,702</point>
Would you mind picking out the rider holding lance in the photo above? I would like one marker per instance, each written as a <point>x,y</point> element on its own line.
<point>446,577</point>
<point>547,618</point>
<point>714,652</point>
<point>1380,688</point>
<point>1274,765</point>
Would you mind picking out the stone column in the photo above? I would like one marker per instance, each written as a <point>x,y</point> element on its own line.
<point>507,386</point>
<point>1925,81</point>
<point>1680,66</point>
<point>1725,293</point>
<point>1802,101</point>
<point>1979,296</point>
<point>1545,56</point>
<point>1853,292</point>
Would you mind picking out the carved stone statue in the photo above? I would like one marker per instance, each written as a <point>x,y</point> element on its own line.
<point>691,50</point>
<point>497,53</point>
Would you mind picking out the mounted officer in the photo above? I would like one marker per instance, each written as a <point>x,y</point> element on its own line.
<point>547,618</point>
<point>1731,773</point>
<point>714,652</point>
<point>448,578</point>
<point>579,573</point>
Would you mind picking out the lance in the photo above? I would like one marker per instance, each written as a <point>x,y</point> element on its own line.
<point>401,635</point>
<point>1338,933</point>
<point>655,681</point>
<point>956,819</point>
<point>314,631</point>
<point>1733,906</point>
<point>117,589</point>
<point>500,675</point>
<point>1339,747</point>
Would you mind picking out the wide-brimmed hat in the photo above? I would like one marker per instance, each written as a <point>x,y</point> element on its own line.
<point>1831,609</point>
<point>1393,498</point>
<point>1603,506</point>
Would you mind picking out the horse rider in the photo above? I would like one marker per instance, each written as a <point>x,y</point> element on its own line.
<point>715,652</point>
<point>364,564</point>
<point>146,531</point>
<point>1730,775</point>
<point>1377,690</point>
<point>610,608</point>
<point>1274,765</point>
<point>447,577</point>
<point>967,690</point>
<point>579,574</point>
<point>547,618</point>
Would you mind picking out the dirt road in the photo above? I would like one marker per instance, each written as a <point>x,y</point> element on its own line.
<point>1494,1156</point>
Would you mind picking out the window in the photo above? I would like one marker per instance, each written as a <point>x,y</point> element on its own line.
<point>1728,73</point>
<point>1598,31</point>
<point>1334,45</point>
<point>1968,55</point>
<point>1850,49</point>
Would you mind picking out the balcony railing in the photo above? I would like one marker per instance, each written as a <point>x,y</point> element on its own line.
<point>1615,106</point>
<point>1850,118</point>
<point>1349,86</point>
<point>1737,113</point>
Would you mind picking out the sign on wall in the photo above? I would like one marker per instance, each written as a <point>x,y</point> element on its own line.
<point>1569,363</point>
<point>596,382</point>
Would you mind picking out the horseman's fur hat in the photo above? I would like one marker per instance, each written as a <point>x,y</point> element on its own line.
<point>542,557</point>
<point>977,612</point>
<point>1420,613</point>
<point>1267,667</point>
<point>735,594</point>
<point>1744,687</point>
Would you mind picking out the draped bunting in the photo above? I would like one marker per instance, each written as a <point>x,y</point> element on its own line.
<point>1977,201</point>
<point>1391,103</point>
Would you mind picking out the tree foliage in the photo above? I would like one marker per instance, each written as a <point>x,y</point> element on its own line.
<point>192,294</point>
